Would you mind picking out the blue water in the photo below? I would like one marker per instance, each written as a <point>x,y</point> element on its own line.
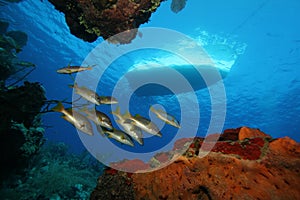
<point>258,39</point>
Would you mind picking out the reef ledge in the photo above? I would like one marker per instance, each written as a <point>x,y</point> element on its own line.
<point>89,19</point>
<point>244,164</point>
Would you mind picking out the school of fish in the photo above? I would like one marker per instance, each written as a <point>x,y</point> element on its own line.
<point>133,126</point>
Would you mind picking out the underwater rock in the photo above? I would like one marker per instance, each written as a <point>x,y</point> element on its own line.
<point>3,26</point>
<point>113,185</point>
<point>20,126</point>
<point>21,134</point>
<point>54,173</point>
<point>246,132</point>
<point>89,19</point>
<point>130,164</point>
<point>21,104</point>
<point>255,167</point>
<point>230,134</point>
<point>216,176</point>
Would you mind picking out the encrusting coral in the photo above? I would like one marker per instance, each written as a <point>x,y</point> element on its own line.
<point>89,19</point>
<point>54,173</point>
<point>244,164</point>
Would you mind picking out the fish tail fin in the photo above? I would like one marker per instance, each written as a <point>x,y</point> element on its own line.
<point>58,108</point>
<point>69,64</point>
<point>91,66</point>
<point>140,141</point>
<point>118,110</point>
<point>159,134</point>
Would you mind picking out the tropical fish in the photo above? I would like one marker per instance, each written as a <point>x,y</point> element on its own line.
<point>143,123</point>
<point>119,136</point>
<point>165,117</point>
<point>86,93</point>
<point>98,117</point>
<point>73,69</point>
<point>133,131</point>
<point>75,118</point>
<point>92,96</point>
<point>107,100</point>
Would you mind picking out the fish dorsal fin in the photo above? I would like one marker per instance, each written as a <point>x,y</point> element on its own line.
<point>75,85</point>
<point>69,110</point>
<point>69,64</point>
<point>138,115</point>
<point>152,109</point>
<point>127,114</point>
<point>117,112</point>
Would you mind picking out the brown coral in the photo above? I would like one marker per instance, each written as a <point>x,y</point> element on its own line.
<point>89,19</point>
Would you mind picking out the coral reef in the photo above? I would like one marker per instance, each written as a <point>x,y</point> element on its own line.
<point>21,134</point>
<point>89,19</point>
<point>119,184</point>
<point>130,164</point>
<point>244,164</point>
<point>21,104</point>
<point>55,174</point>
<point>11,42</point>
